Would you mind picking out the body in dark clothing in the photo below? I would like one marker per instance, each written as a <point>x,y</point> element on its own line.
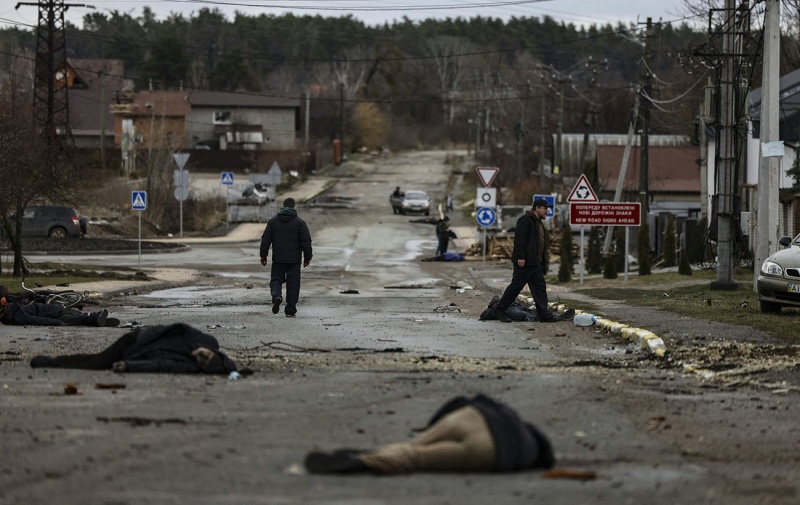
<point>176,348</point>
<point>290,240</point>
<point>528,262</point>
<point>51,314</point>
<point>466,434</point>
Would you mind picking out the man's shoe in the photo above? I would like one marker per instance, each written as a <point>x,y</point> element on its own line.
<point>501,316</point>
<point>338,462</point>
<point>42,362</point>
<point>101,317</point>
<point>291,314</point>
<point>112,321</point>
<point>551,319</point>
<point>276,304</point>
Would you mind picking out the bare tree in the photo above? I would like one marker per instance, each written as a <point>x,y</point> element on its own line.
<point>449,62</point>
<point>33,167</point>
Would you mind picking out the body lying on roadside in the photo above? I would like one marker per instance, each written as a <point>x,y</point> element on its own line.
<point>51,314</point>
<point>176,348</point>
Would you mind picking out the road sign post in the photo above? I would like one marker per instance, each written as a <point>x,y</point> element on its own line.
<point>227,181</point>
<point>486,217</point>
<point>139,202</point>
<point>625,214</point>
<point>181,182</point>
<point>582,192</point>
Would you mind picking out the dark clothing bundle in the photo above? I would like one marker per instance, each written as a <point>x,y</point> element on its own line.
<point>519,445</point>
<point>162,348</point>
<point>516,312</point>
<point>46,314</point>
<point>288,236</point>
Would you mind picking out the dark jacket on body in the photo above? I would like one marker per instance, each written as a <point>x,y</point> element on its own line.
<point>288,236</point>
<point>530,240</point>
<point>519,445</point>
<point>168,348</point>
<point>44,314</point>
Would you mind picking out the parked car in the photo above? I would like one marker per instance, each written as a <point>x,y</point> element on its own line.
<point>416,201</point>
<point>52,221</point>
<point>779,281</point>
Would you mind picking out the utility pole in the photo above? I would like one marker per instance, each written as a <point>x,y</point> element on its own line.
<point>50,91</point>
<point>767,234</point>
<point>703,162</point>
<point>646,90</point>
<point>728,111</point>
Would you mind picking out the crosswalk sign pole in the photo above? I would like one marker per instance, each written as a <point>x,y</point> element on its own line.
<point>140,241</point>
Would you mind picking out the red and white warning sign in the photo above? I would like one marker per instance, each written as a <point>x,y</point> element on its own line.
<point>487,174</point>
<point>582,192</point>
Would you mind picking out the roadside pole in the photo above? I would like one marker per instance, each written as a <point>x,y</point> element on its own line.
<point>486,201</point>
<point>582,263</point>
<point>181,182</point>
<point>139,202</point>
<point>227,181</point>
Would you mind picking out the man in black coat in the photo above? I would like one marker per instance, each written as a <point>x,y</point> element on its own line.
<point>528,262</point>
<point>477,434</point>
<point>290,240</point>
<point>175,348</point>
<point>51,314</point>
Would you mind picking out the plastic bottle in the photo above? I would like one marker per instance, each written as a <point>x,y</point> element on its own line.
<point>584,319</point>
<point>234,376</point>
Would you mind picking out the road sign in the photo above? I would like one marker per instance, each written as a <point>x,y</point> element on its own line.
<point>139,200</point>
<point>486,216</point>
<point>181,193</point>
<point>181,178</point>
<point>605,214</point>
<point>486,197</point>
<point>487,174</point>
<point>181,159</point>
<point>582,192</point>
<point>551,202</point>
<point>227,178</point>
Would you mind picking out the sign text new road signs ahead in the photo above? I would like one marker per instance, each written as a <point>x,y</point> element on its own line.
<point>605,214</point>
<point>139,200</point>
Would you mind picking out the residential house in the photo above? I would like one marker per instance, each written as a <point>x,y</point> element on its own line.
<point>242,121</point>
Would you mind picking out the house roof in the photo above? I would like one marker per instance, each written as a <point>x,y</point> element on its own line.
<point>670,169</point>
<point>160,103</point>
<point>85,109</point>
<point>225,99</point>
<point>98,73</point>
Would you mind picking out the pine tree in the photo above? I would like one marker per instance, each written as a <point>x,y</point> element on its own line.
<point>684,268</point>
<point>696,244</point>
<point>594,257</point>
<point>644,249</point>
<point>619,248</point>
<point>669,242</point>
<point>610,269</point>
<point>565,268</point>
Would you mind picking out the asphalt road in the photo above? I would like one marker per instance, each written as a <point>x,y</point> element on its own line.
<point>368,367</point>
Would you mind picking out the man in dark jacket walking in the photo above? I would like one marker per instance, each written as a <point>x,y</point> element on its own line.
<point>290,240</point>
<point>528,262</point>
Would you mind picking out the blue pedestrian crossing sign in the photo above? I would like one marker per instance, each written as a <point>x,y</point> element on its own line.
<point>227,178</point>
<point>139,200</point>
<point>486,216</point>
<point>551,201</point>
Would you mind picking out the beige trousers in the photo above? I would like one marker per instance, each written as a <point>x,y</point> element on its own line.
<point>460,441</point>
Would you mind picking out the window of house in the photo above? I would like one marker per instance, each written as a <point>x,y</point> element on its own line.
<point>222,117</point>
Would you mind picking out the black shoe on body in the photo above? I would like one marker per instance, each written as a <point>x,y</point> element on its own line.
<point>112,321</point>
<point>338,462</point>
<point>276,304</point>
<point>42,362</point>
<point>102,317</point>
<point>501,316</point>
<point>551,319</point>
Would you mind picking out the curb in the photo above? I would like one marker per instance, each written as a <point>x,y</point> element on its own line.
<point>645,339</point>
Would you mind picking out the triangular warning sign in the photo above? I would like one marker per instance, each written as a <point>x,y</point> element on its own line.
<point>487,174</point>
<point>582,192</point>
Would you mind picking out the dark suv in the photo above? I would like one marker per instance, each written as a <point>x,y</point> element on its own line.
<point>52,221</point>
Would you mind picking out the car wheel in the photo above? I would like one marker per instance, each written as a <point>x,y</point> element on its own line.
<point>427,213</point>
<point>770,307</point>
<point>57,232</point>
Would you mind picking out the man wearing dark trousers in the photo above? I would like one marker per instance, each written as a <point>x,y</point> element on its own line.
<point>290,240</point>
<point>528,261</point>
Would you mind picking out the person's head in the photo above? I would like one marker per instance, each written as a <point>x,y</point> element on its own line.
<point>3,305</point>
<point>540,207</point>
<point>289,202</point>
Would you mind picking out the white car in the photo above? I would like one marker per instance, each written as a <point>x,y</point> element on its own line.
<point>779,281</point>
<point>416,201</point>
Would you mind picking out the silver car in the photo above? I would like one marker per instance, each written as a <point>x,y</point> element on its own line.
<point>779,281</point>
<point>416,201</point>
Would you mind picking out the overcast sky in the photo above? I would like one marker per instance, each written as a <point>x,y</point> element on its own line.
<point>379,11</point>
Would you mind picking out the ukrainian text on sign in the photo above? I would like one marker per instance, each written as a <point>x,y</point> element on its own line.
<point>605,214</point>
